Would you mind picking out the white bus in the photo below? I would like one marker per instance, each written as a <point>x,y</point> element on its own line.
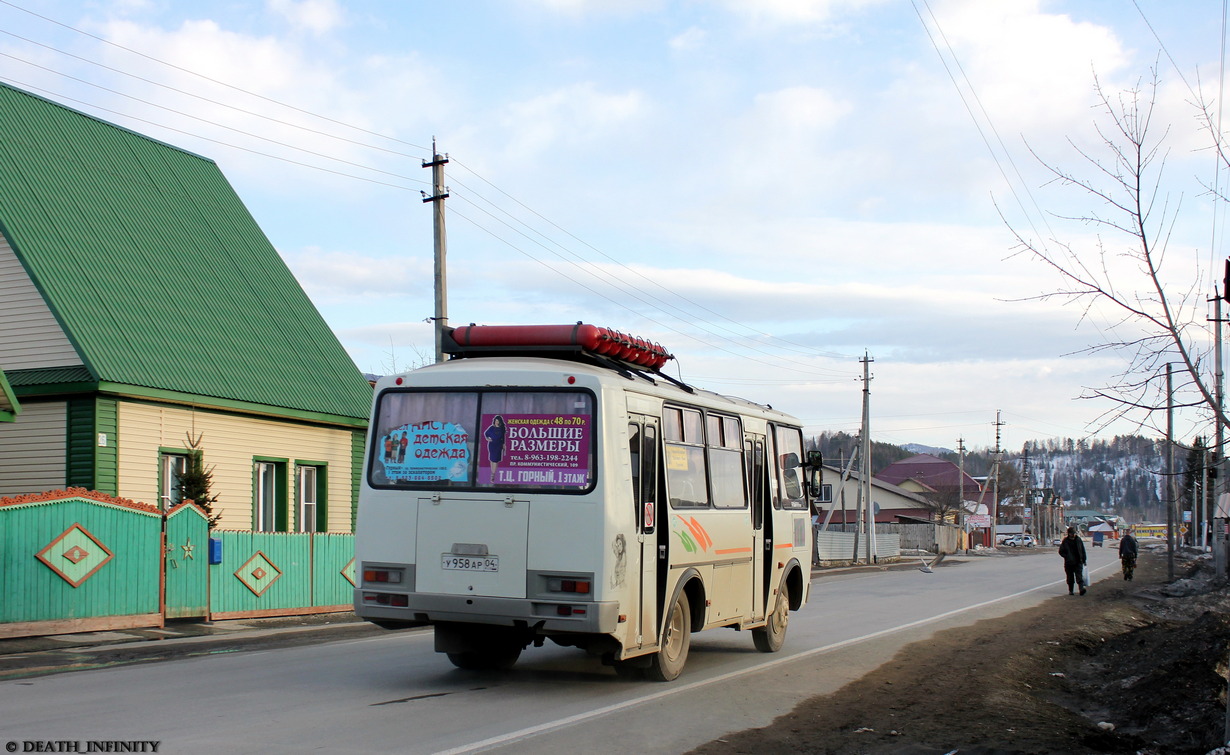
<point>547,483</point>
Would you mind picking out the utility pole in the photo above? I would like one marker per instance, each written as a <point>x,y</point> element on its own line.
<point>866,465</point>
<point>1026,498</point>
<point>439,193</point>
<point>1219,451</point>
<point>996,457</point>
<point>1170,502</point>
<point>961,492</point>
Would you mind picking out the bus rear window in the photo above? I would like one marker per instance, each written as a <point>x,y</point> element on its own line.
<point>483,440</point>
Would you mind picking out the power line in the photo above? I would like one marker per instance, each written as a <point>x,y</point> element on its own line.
<point>196,118</point>
<point>196,74</point>
<point>628,289</point>
<point>61,97</point>
<point>797,347</point>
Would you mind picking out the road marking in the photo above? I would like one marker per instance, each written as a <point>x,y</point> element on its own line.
<point>567,721</point>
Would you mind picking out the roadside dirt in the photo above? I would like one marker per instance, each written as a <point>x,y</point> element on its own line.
<point>1132,667</point>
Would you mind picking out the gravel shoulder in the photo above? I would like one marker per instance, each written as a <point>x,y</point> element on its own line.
<point>1132,667</point>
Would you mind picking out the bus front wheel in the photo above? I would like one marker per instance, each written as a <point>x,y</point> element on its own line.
<point>771,637</point>
<point>667,664</point>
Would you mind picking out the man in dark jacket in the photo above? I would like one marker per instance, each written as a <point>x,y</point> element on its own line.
<point>1072,550</point>
<point>1127,554</point>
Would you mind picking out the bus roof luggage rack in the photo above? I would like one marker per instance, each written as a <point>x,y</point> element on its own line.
<point>562,341</point>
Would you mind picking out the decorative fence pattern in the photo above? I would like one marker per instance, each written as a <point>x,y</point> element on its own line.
<point>77,560</point>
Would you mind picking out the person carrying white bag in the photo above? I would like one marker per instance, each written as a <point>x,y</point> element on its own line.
<point>1072,550</point>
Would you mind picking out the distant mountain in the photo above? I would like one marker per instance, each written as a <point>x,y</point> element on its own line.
<point>1122,475</point>
<point>918,448</point>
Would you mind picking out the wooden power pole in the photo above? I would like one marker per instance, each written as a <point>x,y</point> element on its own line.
<point>438,194</point>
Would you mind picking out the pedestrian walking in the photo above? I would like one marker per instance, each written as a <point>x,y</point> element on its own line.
<point>1128,549</point>
<point>1072,551</point>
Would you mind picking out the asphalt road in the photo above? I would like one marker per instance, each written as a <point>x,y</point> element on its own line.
<point>392,693</point>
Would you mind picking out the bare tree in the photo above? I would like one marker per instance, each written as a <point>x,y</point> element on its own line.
<point>1151,320</point>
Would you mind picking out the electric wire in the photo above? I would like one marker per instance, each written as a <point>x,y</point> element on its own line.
<point>194,135</point>
<point>692,320</point>
<point>198,75</point>
<point>595,292</point>
<point>200,119</point>
<point>630,292</point>
<point>798,347</point>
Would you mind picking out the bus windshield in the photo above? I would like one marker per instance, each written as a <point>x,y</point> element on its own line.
<point>483,439</point>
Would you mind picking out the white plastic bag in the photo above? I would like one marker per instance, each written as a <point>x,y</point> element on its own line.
<point>1085,575</point>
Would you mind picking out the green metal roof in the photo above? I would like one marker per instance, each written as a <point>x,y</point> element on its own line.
<point>155,269</point>
<point>9,408</point>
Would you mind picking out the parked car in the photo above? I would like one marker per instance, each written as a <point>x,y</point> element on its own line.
<point>1020,541</point>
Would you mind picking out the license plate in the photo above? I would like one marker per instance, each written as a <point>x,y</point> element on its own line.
<point>470,563</point>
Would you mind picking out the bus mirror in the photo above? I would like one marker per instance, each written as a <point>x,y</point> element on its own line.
<point>790,461</point>
<point>815,459</point>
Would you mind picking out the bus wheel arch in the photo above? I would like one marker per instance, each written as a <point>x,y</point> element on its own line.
<point>794,579</point>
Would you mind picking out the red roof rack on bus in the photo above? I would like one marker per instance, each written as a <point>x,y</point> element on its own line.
<point>558,340</point>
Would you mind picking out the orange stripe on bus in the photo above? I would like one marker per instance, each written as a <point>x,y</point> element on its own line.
<point>724,551</point>
<point>780,547</point>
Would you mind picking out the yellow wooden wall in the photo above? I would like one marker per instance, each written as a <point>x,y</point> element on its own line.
<point>229,443</point>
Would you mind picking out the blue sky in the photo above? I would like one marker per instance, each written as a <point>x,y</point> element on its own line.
<point>770,189</point>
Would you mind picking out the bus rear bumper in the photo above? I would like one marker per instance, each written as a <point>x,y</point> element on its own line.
<point>544,617</point>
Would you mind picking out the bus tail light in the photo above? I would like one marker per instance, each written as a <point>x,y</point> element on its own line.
<point>578,586</point>
<point>389,576</point>
<point>385,599</point>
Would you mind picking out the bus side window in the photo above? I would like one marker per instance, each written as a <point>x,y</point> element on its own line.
<point>649,478</point>
<point>771,468</point>
<point>789,441</point>
<point>643,447</point>
<point>758,483</point>
<point>634,449</point>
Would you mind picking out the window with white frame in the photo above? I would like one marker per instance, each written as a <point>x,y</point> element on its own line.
<point>309,482</point>
<point>268,495</point>
<point>172,469</point>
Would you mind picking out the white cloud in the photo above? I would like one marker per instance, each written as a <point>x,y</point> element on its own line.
<point>586,8</point>
<point>569,116</point>
<point>777,12</point>
<point>316,16</point>
<point>690,39</point>
<point>1029,69</point>
<point>332,276</point>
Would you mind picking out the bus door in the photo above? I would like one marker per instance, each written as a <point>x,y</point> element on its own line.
<point>643,447</point>
<point>758,493</point>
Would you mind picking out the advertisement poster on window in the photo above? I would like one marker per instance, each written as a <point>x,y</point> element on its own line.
<point>534,449</point>
<point>426,452</point>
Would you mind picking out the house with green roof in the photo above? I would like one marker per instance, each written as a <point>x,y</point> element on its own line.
<point>145,318</point>
<point>8,402</point>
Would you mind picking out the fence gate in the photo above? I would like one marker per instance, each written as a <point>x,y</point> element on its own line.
<point>186,563</point>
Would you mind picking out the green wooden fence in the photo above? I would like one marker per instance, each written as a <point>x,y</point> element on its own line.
<point>186,563</point>
<point>77,561</point>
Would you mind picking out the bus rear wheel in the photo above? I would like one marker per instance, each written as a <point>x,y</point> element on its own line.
<point>667,664</point>
<point>771,637</point>
<point>486,660</point>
